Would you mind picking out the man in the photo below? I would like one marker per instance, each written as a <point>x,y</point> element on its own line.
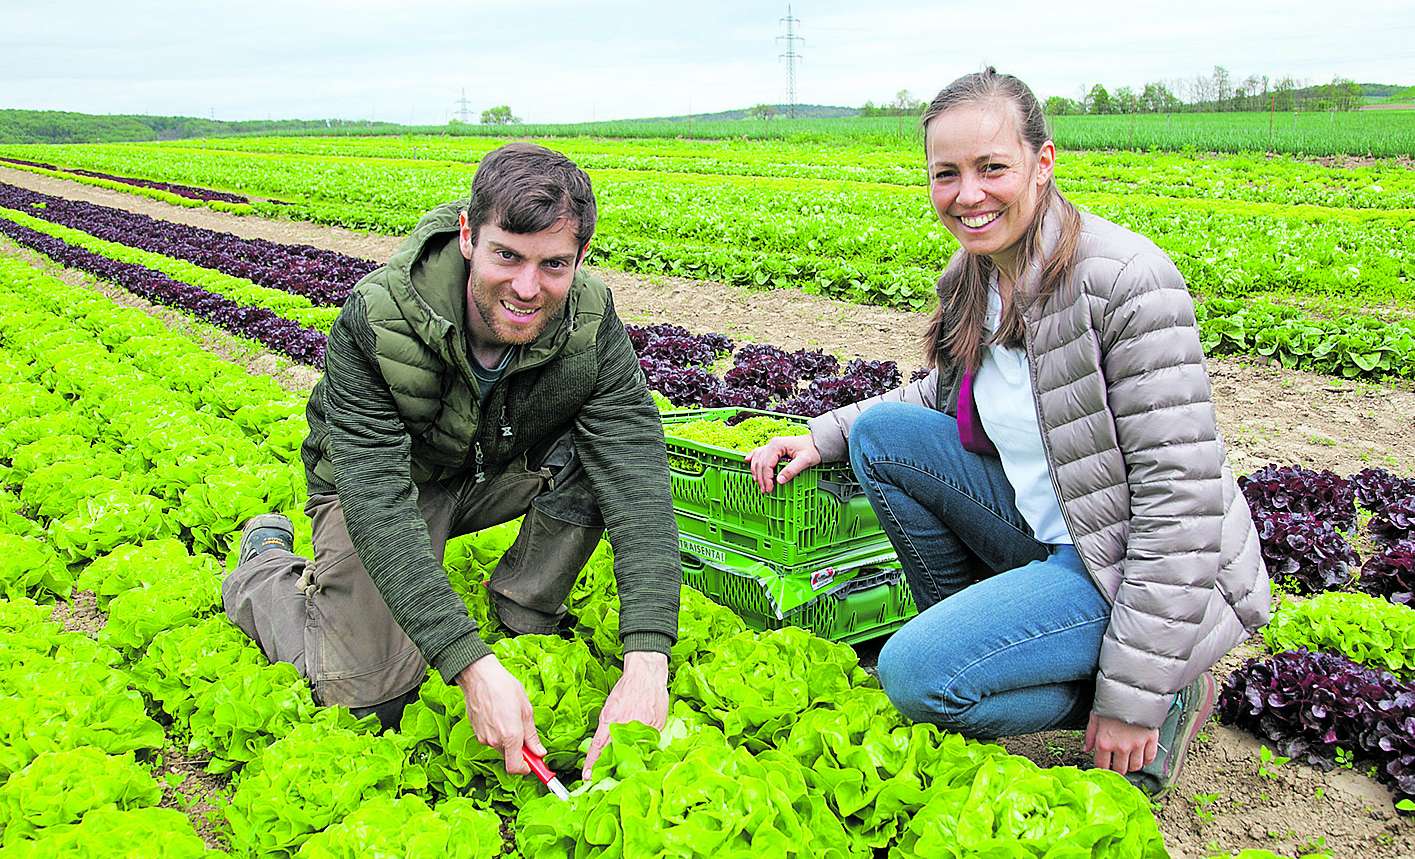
<point>478,376</point>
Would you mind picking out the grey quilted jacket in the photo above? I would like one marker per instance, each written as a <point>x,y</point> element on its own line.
<point>1129,430</point>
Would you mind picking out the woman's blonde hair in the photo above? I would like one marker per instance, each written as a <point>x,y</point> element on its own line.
<point>955,332</point>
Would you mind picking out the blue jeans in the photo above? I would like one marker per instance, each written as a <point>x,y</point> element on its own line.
<point>1009,632</point>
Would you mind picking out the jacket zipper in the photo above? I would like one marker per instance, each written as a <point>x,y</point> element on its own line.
<point>477,458</point>
<point>1051,468</point>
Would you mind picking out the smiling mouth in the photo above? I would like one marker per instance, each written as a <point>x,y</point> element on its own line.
<point>519,313</point>
<point>978,221</point>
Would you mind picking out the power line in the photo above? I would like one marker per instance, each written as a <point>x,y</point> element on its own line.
<point>464,108</point>
<point>790,56</point>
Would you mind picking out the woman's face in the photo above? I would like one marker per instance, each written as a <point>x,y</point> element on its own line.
<point>983,178</point>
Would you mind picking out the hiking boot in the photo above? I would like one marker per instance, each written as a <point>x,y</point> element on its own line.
<point>1185,720</point>
<point>266,531</point>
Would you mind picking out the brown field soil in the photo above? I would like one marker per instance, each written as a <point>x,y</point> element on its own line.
<point>1267,414</point>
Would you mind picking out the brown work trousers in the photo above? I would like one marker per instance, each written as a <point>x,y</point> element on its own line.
<point>329,620</point>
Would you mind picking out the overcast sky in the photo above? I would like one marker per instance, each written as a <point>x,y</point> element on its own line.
<point>561,61</point>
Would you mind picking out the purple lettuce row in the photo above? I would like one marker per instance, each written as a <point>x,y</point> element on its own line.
<point>768,368</point>
<point>683,351</point>
<point>305,345</point>
<point>1303,552</point>
<point>324,277</point>
<point>762,376</point>
<point>1294,489</point>
<point>642,336</point>
<point>1395,521</point>
<point>1391,574</point>
<point>1376,487</point>
<point>1392,741</point>
<point>1310,704</point>
<point>859,380</point>
<point>189,191</point>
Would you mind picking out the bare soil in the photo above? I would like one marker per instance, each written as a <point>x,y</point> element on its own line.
<point>81,614</point>
<point>1267,414</point>
<point>189,788</point>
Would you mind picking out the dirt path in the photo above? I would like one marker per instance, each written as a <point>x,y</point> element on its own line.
<point>1266,413</point>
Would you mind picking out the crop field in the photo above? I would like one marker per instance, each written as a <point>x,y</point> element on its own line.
<point>157,345</point>
<point>1312,133</point>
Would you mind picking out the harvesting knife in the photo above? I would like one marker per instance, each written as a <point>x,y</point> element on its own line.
<point>544,773</point>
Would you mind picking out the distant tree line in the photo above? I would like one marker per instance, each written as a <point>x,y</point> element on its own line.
<point>1218,92</point>
<point>903,104</point>
<point>53,126</point>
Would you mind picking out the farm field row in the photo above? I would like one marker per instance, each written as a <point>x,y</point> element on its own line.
<point>1248,177</point>
<point>1369,133</point>
<point>867,242</point>
<point>46,339</point>
<point>99,499</point>
<point>305,287</point>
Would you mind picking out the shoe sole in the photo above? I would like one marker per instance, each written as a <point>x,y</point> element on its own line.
<point>1188,731</point>
<point>264,520</point>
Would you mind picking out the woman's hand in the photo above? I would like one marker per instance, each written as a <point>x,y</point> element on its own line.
<point>1121,746</point>
<point>799,448</point>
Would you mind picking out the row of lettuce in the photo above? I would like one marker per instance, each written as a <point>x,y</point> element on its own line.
<point>863,241</point>
<point>1248,177</point>
<point>1340,687</point>
<point>130,458</point>
<point>304,286</point>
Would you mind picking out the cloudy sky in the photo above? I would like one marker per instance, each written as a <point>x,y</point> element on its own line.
<point>561,61</point>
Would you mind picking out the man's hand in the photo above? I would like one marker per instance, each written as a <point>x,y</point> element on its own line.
<point>800,449</point>
<point>500,712</point>
<point>641,695</point>
<point>1121,746</point>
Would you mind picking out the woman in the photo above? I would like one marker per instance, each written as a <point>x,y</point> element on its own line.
<point>1056,487</point>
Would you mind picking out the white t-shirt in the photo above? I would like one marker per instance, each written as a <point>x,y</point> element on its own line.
<point>1002,389</point>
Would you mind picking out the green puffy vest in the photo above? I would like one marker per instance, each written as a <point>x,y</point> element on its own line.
<point>415,306</point>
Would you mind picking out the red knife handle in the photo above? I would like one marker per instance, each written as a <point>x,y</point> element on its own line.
<point>537,765</point>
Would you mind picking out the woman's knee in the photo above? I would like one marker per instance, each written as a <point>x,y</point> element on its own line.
<point>882,430</point>
<point>918,686</point>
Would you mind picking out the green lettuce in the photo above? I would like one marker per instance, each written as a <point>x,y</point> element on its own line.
<point>12,518</point>
<point>106,833</point>
<point>874,771</point>
<point>405,827</point>
<point>246,708</point>
<point>1364,628</point>
<point>755,684</point>
<point>567,688</point>
<point>136,615</point>
<point>139,566</point>
<point>104,521</point>
<point>180,663</point>
<point>30,567</point>
<point>1012,807</point>
<point>313,777</point>
<point>686,793</point>
<point>61,787</point>
<point>58,704</point>
<point>214,510</point>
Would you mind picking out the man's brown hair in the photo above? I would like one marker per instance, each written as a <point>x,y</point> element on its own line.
<point>527,188</point>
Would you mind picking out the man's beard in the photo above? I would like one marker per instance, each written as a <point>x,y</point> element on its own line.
<point>488,305</point>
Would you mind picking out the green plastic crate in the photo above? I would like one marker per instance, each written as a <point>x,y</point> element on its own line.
<point>819,515</point>
<point>855,599</point>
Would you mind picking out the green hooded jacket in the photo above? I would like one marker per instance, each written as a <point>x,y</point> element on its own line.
<point>398,405</point>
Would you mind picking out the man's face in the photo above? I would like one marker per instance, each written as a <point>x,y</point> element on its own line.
<point>518,282</point>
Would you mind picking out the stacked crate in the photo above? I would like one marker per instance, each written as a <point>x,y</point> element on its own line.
<point>809,553</point>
